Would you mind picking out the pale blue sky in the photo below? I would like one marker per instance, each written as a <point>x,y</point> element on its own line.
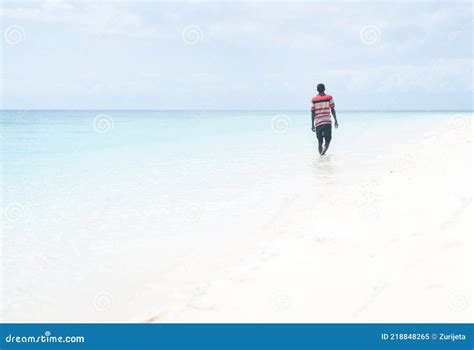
<point>237,55</point>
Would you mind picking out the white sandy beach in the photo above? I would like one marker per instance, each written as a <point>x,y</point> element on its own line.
<point>391,245</point>
<point>259,229</point>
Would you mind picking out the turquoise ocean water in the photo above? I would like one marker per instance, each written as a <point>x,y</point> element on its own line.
<point>108,213</point>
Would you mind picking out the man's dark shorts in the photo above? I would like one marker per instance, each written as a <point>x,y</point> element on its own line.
<point>324,131</point>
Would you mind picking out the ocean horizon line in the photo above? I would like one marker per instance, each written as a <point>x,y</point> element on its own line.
<point>229,110</point>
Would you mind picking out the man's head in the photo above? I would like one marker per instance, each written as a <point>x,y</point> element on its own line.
<point>321,88</point>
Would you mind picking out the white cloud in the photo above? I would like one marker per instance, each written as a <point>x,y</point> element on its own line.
<point>90,17</point>
<point>389,78</point>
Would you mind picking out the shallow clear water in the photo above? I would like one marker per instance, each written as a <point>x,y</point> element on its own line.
<point>134,206</point>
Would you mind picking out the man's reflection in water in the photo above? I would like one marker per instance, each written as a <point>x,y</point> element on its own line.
<point>325,168</point>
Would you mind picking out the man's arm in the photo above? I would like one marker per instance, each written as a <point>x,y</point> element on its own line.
<point>313,112</point>
<point>333,112</point>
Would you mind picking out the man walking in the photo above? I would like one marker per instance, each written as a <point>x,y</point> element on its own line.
<point>323,107</point>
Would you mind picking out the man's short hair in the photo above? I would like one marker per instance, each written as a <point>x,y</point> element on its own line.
<point>321,88</point>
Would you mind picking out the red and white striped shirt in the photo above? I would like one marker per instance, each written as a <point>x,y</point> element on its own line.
<point>322,105</point>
